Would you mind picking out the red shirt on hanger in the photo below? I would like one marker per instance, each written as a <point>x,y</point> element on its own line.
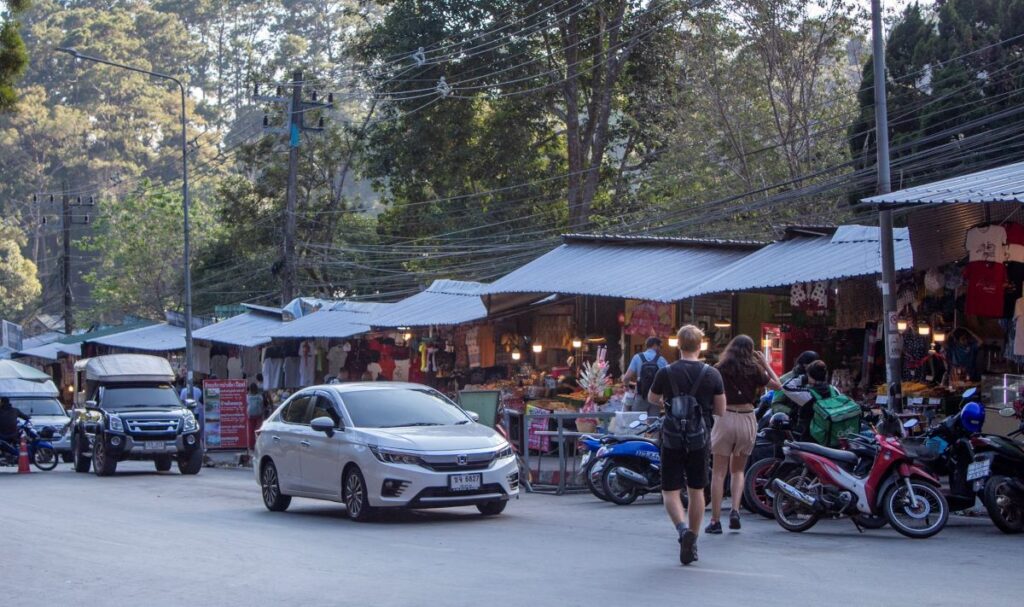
<point>985,284</point>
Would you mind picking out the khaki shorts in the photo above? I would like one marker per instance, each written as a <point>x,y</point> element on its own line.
<point>734,434</point>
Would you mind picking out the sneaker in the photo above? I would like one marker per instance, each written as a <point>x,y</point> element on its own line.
<point>734,520</point>
<point>714,528</point>
<point>688,547</point>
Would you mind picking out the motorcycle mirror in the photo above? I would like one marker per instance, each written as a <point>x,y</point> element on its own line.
<point>634,424</point>
<point>643,417</point>
<point>969,392</point>
<point>1007,412</point>
<point>910,424</point>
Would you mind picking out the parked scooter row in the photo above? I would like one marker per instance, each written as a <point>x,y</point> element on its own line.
<point>40,450</point>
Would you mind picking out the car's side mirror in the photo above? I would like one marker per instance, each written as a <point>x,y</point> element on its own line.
<point>323,424</point>
<point>91,404</point>
<point>190,403</point>
<point>473,415</point>
<point>1007,412</point>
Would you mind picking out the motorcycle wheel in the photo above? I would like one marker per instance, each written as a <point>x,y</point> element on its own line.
<point>755,498</point>
<point>1004,508</point>
<point>871,521</point>
<point>792,514</point>
<point>919,521</point>
<point>619,492</point>
<point>45,458</point>
<point>592,475</point>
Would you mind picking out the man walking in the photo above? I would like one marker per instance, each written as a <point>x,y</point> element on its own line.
<point>643,367</point>
<point>700,386</point>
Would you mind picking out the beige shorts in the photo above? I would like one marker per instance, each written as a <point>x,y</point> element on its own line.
<point>734,434</point>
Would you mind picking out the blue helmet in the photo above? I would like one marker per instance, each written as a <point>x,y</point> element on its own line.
<point>972,417</point>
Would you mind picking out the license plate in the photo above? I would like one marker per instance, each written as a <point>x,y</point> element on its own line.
<point>154,445</point>
<point>979,469</point>
<point>464,482</point>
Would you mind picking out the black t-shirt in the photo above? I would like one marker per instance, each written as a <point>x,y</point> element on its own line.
<point>9,421</point>
<point>685,373</point>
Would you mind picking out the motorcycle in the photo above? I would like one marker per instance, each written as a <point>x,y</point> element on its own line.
<point>591,467</point>
<point>40,450</point>
<point>998,474</point>
<point>631,467</point>
<point>875,477</point>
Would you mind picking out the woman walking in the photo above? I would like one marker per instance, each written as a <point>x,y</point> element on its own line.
<point>745,373</point>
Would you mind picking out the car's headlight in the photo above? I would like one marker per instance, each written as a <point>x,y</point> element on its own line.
<point>115,424</point>
<point>506,451</point>
<point>190,422</point>
<point>395,457</point>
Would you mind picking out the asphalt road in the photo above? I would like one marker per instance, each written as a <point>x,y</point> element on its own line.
<point>145,538</point>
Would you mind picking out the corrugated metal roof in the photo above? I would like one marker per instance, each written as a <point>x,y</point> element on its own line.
<point>1001,184</point>
<point>641,239</point>
<point>357,307</point>
<point>245,330</point>
<point>807,259</point>
<point>156,338</point>
<point>51,351</point>
<point>650,271</point>
<point>325,323</point>
<point>445,302</point>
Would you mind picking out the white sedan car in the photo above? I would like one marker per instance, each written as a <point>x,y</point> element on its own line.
<point>382,445</point>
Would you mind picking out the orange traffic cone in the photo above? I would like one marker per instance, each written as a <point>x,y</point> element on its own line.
<point>23,458</point>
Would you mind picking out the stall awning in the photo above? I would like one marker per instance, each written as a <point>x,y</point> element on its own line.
<point>810,255</point>
<point>648,268</point>
<point>161,337</point>
<point>51,351</point>
<point>247,330</point>
<point>1001,184</point>
<point>445,302</point>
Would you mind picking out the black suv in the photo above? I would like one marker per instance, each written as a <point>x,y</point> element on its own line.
<point>136,421</point>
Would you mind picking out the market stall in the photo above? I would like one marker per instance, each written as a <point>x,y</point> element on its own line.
<point>965,296</point>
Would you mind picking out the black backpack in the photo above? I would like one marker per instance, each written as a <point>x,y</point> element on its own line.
<point>645,379</point>
<point>684,427</point>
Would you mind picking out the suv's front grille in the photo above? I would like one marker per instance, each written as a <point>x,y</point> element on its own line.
<point>150,426</point>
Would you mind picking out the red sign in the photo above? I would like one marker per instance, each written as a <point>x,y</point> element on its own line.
<point>226,418</point>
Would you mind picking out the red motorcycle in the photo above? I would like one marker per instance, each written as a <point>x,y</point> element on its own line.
<point>875,477</point>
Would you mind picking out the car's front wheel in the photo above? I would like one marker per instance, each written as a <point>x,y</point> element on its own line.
<point>103,462</point>
<point>270,484</point>
<point>82,461</point>
<point>492,508</point>
<point>190,463</point>
<point>356,496</point>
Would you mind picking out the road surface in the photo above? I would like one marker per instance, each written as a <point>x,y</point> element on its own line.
<point>144,538</point>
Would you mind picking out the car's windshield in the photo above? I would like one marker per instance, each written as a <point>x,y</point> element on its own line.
<point>38,406</point>
<point>128,397</point>
<point>396,408</point>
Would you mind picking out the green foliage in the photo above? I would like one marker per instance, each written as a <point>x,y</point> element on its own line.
<point>139,246</point>
<point>13,56</point>
<point>19,286</point>
<point>954,91</point>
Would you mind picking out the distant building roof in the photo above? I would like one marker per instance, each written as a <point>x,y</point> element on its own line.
<point>155,338</point>
<point>445,302</point>
<point>246,330</point>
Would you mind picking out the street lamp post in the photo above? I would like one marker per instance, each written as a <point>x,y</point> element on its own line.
<point>189,366</point>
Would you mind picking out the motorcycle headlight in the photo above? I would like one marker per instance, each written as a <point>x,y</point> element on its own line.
<point>506,451</point>
<point>191,424</point>
<point>395,457</point>
<point>115,424</point>
<point>602,451</point>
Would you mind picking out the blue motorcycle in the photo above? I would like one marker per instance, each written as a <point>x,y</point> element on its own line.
<point>591,469</point>
<point>40,450</point>
<point>631,468</point>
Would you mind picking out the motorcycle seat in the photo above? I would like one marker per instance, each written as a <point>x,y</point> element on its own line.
<point>834,454</point>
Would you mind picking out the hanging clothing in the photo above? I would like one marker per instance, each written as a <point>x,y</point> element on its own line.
<point>374,370</point>
<point>219,366</point>
<point>307,363</point>
<point>985,286</point>
<point>251,362</point>
<point>1013,287</point>
<point>272,368</point>
<point>1015,242</point>
<point>402,370</point>
<point>291,372</point>
<point>986,243</point>
<point>201,356</point>
<point>1018,326</point>
<point>336,358</point>
<point>234,368</point>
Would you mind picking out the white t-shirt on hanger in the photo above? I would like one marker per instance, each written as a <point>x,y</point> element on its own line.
<point>987,243</point>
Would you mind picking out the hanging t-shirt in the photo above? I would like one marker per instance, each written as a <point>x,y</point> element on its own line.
<point>219,366</point>
<point>234,367</point>
<point>985,286</point>
<point>307,363</point>
<point>336,359</point>
<point>291,372</point>
<point>1013,290</point>
<point>401,370</point>
<point>1015,242</point>
<point>986,243</point>
<point>1018,319</point>
<point>272,373</point>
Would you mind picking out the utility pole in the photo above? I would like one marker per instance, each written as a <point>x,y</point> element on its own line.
<point>893,340</point>
<point>294,136</point>
<point>295,109</point>
<point>67,220</point>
